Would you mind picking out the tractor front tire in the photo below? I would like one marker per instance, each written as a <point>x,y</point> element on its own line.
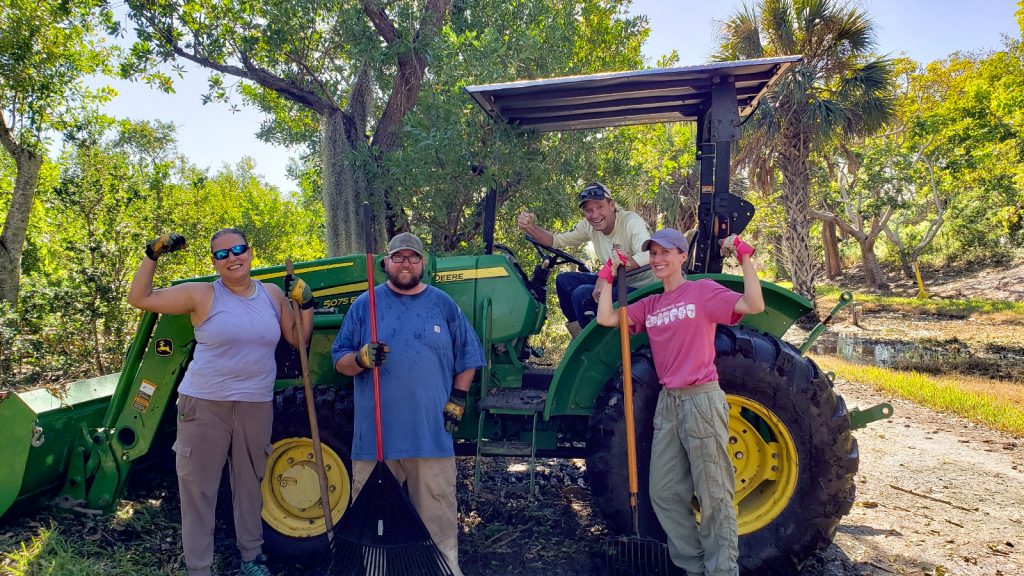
<point>790,441</point>
<point>293,520</point>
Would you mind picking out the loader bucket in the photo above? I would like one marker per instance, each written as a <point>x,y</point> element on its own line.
<point>38,431</point>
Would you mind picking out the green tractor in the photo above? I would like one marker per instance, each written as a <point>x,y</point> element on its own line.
<point>790,434</point>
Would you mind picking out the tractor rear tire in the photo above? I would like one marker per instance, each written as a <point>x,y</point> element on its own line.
<point>803,449</point>
<point>334,409</point>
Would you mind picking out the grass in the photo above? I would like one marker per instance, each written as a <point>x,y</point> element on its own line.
<point>56,551</point>
<point>827,296</point>
<point>141,538</point>
<point>994,403</point>
<point>950,307</point>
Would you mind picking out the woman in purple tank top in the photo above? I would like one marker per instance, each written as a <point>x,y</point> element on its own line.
<point>225,408</point>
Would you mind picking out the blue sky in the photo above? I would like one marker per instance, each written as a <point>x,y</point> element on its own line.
<point>924,30</point>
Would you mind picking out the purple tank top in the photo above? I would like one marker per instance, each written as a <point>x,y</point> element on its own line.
<point>234,355</point>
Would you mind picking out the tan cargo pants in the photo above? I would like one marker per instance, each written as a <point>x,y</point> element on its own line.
<point>210,432</point>
<point>689,457</point>
<point>431,484</point>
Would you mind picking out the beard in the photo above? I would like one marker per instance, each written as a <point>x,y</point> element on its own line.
<point>396,278</point>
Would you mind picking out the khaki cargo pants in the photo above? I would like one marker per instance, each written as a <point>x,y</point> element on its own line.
<point>431,484</point>
<point>689,457</point>
<point>210,432</point>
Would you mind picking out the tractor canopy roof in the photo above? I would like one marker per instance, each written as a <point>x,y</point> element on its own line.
<point>627,98</point>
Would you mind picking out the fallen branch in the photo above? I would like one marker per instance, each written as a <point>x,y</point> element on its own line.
<point>934,499</point>
<point>882,568</point>
<point>503,537</point>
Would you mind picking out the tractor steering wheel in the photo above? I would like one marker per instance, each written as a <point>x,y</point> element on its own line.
<point>554,256</point>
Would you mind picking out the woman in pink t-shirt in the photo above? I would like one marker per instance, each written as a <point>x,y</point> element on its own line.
<point>691,422</point>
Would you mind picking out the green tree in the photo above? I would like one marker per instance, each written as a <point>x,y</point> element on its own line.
<point>378,123</point>
<point>925,186</point>
<point>969,113</point>
<point>838,88</point>
<point>446,134</point>
<point>864,189</point>
<point>356,67</point>
<point>47,49</point>
<point>117,186</point>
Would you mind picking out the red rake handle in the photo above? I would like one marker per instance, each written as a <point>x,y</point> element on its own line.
<point>368,237</point>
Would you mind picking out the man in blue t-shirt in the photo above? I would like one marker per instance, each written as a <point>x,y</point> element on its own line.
<point>432,355</point>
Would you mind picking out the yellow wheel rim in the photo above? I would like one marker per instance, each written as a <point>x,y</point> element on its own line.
<point>766,463</point>
<point>291,488</point>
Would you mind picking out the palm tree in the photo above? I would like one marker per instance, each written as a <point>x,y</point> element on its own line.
<point>840,89</point>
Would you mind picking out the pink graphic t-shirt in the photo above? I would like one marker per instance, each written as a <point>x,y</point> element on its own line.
<point>681,326</point>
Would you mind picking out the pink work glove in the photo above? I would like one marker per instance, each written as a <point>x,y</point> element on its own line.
<point>733,245</point>
<point>610,267</point>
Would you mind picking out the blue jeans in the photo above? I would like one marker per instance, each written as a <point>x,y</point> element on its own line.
<point>576,296</point>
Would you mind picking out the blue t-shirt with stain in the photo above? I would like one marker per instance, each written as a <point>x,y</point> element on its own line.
<point>430,341</point>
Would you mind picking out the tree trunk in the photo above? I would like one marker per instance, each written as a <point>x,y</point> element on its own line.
<point>340,195</point>
<point>872,270</point>
<point>833,264</point>
<point>796,201</point>
<point>12,239</point>
<point>907,265</point>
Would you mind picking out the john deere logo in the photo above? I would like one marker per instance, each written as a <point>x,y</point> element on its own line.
<point>164,347</point>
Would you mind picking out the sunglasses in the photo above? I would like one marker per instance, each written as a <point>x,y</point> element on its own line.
<point>236,250</point>
<point>399,259</point>
<point>594,192</point>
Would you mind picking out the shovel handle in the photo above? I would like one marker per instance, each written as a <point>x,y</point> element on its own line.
<point>300,338</point>
<point>368,239</point>
<point>627,394</point>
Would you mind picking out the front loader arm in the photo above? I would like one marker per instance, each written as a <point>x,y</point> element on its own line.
<point>102,456</point>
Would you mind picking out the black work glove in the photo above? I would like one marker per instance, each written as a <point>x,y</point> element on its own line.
<point>372,354</point>
<point>298,290</point>
<point>454,410</point>
<point>165,244</point>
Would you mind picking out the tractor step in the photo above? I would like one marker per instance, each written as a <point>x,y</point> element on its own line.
<point>514,401</point>
<point>505,448</point>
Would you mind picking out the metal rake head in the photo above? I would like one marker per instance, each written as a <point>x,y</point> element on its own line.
<point>353,559</point>
<point>634,556</point>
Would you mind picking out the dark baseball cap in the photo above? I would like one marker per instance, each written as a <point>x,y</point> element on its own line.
<point>594,191</point>
<point>667,238</point>
<point>405,241</point>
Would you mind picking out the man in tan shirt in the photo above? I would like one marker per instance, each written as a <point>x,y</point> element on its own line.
<point>608,228</point>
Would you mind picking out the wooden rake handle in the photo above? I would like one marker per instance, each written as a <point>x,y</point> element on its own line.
<point>627,397</point>
<point>300,337</point>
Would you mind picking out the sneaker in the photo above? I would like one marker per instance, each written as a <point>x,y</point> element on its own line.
<point>256,567</point>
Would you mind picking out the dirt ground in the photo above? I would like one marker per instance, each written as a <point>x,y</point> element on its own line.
<point>936,495</point>
<point>1002,283</point>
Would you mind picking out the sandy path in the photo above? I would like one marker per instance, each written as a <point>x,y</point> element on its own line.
<point>966,512</point>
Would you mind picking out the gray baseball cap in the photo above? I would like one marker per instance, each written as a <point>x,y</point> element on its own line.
<point>405,241</point>
<point>667,238</point>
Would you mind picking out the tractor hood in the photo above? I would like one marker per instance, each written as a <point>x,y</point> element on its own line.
<point>626,98</point>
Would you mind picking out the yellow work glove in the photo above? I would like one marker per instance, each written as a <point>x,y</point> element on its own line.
<point>454,410</point>
<point>372,354</point>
